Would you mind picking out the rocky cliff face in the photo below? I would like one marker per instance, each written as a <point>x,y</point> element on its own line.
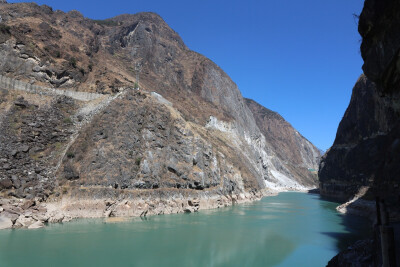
<point>299,155</point>
<point>364,161</point>
<point>367,145</point>
<point>187,133</point>
<point>380,50</point>
<point>358,154</point>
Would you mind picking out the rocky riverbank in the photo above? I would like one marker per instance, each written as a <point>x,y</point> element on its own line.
<point>33,214</point>
<point>359,206</point>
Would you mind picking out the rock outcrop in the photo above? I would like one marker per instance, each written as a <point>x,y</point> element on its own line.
<point>187,140</point>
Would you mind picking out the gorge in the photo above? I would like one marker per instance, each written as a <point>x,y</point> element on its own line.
<point>81,136</point>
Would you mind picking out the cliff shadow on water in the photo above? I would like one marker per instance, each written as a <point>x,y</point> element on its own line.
<point>353,227</point>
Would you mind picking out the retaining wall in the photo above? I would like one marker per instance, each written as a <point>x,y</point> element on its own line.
<point>13,84</point>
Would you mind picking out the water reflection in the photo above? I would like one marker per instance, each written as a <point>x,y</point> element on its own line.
<point>291,228</point>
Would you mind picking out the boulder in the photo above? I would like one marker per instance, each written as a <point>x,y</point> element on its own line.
<point>12,216</point>
<point>107,213</point>
<point>27,204</point>
<point>25,221</point>
<point>21,102</point>
<point>70,173</point>
<point>5,222</point>
<point>188,210</point>
<point>194,202</point>
<point>57,218</point>
<point>36,225</point>
<point>16,182</point>
<point>24,148</point>
<point>67,219</point>
<point>6,183</point>
<point>7,167</point>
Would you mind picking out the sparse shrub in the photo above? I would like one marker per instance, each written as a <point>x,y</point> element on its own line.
<point>136,85</point>
<point>67,120</point>
<point>4,28</point>
<point>105,22</point>
<point>138,160</point>
<point>72,62</point>
<point>58,145</point>
<point>70,155</point>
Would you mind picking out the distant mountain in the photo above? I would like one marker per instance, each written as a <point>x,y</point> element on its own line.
<point>298,155</point>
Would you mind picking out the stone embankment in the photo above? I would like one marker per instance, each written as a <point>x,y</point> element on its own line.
<point>13,84</point>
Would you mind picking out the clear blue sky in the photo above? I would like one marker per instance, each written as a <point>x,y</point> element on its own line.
<point>299,58</point>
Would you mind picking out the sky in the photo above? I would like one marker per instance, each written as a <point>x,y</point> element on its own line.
<point>299,58</point>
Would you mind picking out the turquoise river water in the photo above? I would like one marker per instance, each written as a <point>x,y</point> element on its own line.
<point>291,229</point>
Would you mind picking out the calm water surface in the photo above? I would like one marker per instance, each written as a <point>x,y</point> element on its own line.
<point>291,229</point>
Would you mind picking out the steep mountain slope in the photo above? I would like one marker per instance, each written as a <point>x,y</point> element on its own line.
<point>104,147</point>
<point>299,155</point>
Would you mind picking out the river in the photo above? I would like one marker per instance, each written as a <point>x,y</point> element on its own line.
<point>290,229</point>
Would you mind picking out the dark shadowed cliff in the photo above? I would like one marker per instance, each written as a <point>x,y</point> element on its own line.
<point>364,161</point>
<point>366,151</point>
<point>358,153</point>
